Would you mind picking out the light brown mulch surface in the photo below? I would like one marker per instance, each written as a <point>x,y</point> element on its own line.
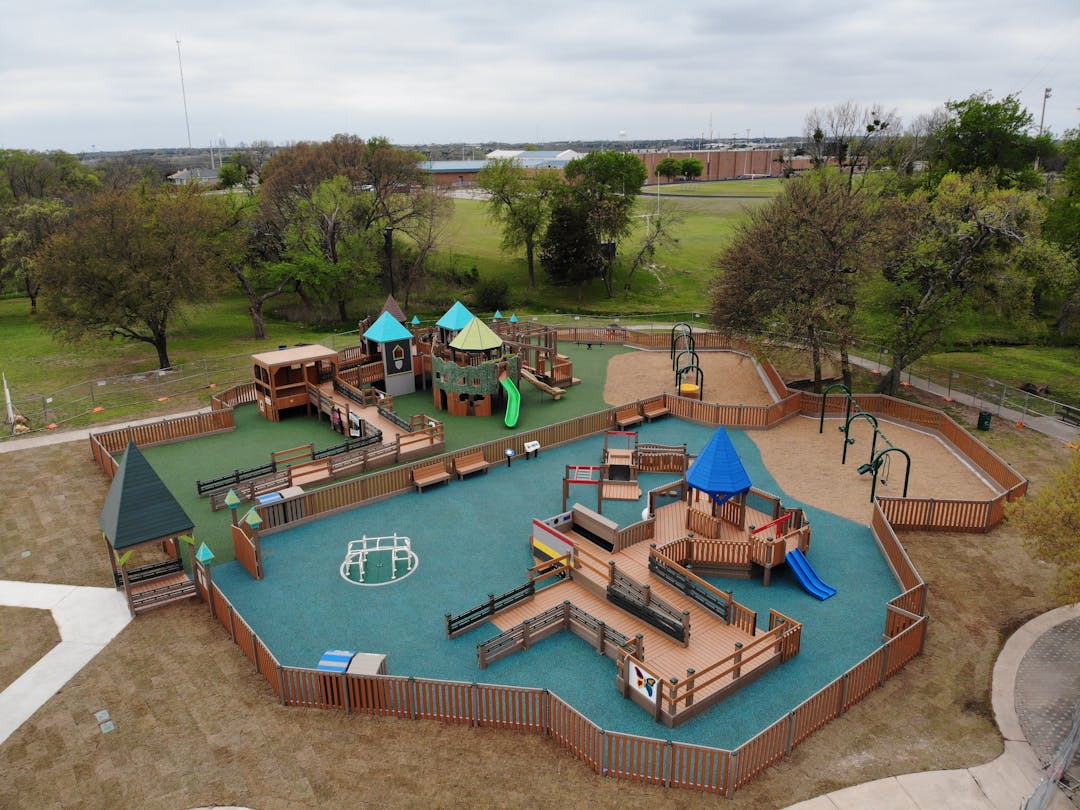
<point>807,465</point>
<point>26,634</point>
<point>727,378</point>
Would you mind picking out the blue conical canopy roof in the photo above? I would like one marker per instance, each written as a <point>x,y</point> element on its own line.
<point>387,328</point>
<point>718,470</point>
<point>456,318</point>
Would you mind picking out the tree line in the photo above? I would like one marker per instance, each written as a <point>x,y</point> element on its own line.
<point>901,234</point>
<point>896,232</point>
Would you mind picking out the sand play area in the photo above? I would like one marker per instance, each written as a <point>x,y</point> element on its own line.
<point>805,463</point>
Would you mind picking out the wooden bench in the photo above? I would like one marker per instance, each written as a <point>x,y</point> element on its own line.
<point>628,417</point>
<point>1069,414</point>
<point>429,474</point>
<point>652,410</point>
<point>310,473</point>
<point>470,463</point>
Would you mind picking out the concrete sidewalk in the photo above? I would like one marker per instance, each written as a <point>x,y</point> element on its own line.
<point>1007,781</point>
<point>87,618</point>
<point>1047,425</point>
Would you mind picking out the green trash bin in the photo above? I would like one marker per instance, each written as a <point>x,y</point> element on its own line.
<point>985,418</point>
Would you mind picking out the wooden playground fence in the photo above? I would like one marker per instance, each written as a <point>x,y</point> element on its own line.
<point>626,756</point>
<point>609,754</point>
<point>105,445</point>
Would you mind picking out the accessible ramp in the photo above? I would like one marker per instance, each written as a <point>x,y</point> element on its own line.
<point>807,576</point>
<point>513,400</point>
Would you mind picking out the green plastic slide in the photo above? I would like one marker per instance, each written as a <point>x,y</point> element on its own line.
<point>513,401</point>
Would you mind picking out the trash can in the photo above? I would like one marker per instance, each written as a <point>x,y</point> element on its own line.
<point>984,420</point>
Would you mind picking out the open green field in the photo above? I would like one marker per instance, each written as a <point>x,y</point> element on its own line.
<point>768,187</point>
<point>678,280</point>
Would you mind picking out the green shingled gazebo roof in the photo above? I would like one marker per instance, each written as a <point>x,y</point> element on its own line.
<point>139,507</point>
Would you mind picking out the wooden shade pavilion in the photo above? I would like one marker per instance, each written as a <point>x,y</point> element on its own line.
<point>140,511</point>
<point>283,378</point>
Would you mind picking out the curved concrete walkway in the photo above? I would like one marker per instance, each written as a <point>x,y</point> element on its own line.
<point>1002,784</point>
<point>87,618</point>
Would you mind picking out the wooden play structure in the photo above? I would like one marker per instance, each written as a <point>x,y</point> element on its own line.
<point>615,478</point>
<point>283,378</point>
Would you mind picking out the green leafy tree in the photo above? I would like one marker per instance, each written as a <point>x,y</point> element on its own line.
<point>128,262</point>
<point>1062,227</point>
<point>979,134</point>
<point>669,168</point>
<point>389,194</point>
<point>1050,523</point>
<point>32,222</point>
<point>520,201</point>
<point>793,267</point>
<point>965,239</point>
<point>691,168</point>
<point>605,186</point>
<point>570,252</point>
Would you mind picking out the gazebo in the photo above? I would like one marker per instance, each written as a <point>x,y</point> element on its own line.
<point>719,473</point>
<point>140,511</point>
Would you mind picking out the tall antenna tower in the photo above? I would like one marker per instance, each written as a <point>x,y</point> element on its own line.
<point>183,91</point>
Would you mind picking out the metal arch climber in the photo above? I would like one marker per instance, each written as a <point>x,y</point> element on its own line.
<point>687,341</point>
<point>699,378</point>
<point>684,330</point>
<point>694,359</point>
<point>875,465</point>
<point>825,400</point>
<point>846,430</point>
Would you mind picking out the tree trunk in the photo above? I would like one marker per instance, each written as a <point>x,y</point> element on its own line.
<point>160,342</point>
<point>815,353</point>
<point>343,316</point>
<point>255,310</point>
<point>530,261</point>
<point>32,293</point>
<point>302,293</point>
<point>889,382</point>
<point>845,366</point>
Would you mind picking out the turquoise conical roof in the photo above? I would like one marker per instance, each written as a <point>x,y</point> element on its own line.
<point>456,318</point>
<point>385,329</point>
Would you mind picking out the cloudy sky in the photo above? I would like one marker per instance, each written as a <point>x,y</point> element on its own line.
<point>79,75</point>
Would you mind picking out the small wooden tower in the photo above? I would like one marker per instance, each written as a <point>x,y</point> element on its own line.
<point>388,338</point>
<point>282,377</point>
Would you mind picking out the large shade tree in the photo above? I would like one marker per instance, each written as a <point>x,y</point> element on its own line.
<point>371,192</point>
<point>519,200</point>
<point>988,136</point>
<point>793,266</point>
<point>966,240</point>
<point>605,186</point>
<point>130,260</point>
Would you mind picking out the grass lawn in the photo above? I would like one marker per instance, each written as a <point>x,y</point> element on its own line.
<point>765,187</point>
<point>1057,367</point>
<point>27,634</point>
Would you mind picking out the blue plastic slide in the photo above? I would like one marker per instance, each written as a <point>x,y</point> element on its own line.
<point>513,401</point>
<point>807,576</point>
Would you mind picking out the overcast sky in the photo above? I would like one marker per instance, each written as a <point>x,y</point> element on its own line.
<point>104,75</point>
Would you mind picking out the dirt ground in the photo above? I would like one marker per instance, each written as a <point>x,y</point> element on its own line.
<point>727,378</point>
<point>196,725</point>
<point>26,634</point>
